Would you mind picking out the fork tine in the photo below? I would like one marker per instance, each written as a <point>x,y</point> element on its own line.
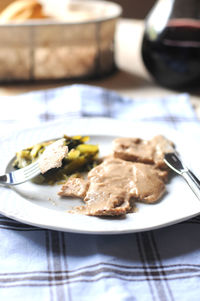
<point>30,166</point>
<point>31,171</point>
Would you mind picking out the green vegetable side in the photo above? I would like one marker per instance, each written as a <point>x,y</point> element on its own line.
<point>81,158</point>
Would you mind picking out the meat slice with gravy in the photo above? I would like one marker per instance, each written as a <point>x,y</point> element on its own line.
<point>135,172</point>
<point>115,185</point>
<point>145,151</point>
<point>74,187</point>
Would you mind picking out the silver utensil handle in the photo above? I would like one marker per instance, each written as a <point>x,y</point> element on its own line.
<point>4,180</point>
<point>192,181</point>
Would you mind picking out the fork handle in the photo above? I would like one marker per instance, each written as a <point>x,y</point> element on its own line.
<point>192,181</point>
<point>4,180</point>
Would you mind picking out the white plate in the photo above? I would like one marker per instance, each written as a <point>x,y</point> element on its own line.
<point>41,206</point>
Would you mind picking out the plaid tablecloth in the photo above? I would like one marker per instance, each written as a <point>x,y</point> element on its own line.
<point>39,264</point>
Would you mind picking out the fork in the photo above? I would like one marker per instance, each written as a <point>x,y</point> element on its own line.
<point>20,175</point>
<point>40,166</point>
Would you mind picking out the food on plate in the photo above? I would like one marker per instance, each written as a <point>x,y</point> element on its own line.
<point>134,172</point>
<point>79,157</point>
<point>113,187</point>
<point>22,10</point>
<point>145,151</point>
<point>74,187</point>
<point>53,155</point>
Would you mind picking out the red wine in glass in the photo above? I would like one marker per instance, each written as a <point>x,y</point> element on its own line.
<point>173,58</point>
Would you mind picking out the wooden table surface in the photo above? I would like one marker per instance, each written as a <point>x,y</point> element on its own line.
<point>131,79</point>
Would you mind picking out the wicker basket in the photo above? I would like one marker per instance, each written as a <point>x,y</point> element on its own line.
<point>48,49</point>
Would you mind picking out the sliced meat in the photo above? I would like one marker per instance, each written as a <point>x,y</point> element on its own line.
<point>148,183</point>
<point>161,145</point>
<point>115,185</point>
<point>53,155</point>
<point>74,187</point>
<point>144,151</point>
<point>101,201</point>
<point>133,149</point>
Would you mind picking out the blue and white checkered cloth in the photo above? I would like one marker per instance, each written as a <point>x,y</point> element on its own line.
<point>39,264</point>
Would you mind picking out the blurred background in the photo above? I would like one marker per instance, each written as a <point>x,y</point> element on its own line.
<point>132,8</point>
<point>135,9</point>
